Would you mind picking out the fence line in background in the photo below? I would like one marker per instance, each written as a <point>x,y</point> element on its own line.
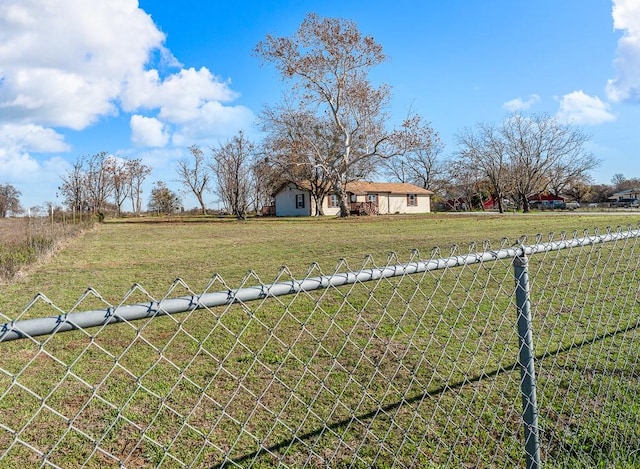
<point>345,372</point>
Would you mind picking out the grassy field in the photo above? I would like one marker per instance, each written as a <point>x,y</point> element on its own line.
<point>154,252</point>
<point>419,371</point>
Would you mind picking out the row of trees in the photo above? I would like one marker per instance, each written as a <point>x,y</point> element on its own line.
<point>521,157</point>
<point>242,180</point>
<point>101,181</point>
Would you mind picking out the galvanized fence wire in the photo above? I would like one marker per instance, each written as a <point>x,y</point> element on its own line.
<point>402,364</point>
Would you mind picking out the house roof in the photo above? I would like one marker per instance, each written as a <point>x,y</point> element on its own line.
<point>624,193</point>
<point>365,187</point>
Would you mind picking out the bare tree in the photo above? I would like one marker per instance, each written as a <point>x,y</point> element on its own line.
<point>300,149</point>
<point>266,180</point>
<point>483,149</point>
<point>422,166</point>
<point>572,175</point>
<point>466,184</point>
<point>99,181</point>
<point>118,170</point>
<point>620,182</point>
<point>94,182</point>
<point>138,172</point>
<point>9,200</point>
<point>74,187</point>
<point>232,165</point>
<point>329,60</point>
<point>195,175</point>
<point>537,144</point>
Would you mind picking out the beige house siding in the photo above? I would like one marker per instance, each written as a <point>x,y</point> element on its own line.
<point>398,204</point>
<point>329,210</point>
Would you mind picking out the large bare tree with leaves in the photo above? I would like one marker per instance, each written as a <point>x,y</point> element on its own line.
<point>163,200</point>
<point>118,169</point>
<point>73,188</point>
<point>99,181</point>
<point>328,62</point>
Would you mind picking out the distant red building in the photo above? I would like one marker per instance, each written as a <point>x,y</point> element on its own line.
<point>546,200</point>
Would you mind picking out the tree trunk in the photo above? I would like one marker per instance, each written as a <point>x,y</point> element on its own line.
<point>203,208</point>
<point>319,211</point>
<point>345,209</point>
<point>500,206</point>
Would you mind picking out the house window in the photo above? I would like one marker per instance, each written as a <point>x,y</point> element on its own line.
<point>412,200</point>
<point>333,200</point>
<point>299,200</point>
<point>373,198</point>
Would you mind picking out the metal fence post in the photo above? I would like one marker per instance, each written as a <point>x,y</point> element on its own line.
<point>526,361</point>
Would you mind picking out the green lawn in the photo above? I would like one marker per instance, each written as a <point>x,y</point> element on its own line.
<point>152,253</point>
<point>419,370</point>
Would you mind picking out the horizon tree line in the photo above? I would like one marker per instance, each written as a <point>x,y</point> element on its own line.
<point>100,181</point>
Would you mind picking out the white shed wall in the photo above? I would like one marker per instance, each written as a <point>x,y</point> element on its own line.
<point>286,202</point>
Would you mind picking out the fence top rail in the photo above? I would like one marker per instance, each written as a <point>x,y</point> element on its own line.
<point>26,328</point>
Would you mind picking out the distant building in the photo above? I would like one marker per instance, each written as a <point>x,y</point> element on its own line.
<point>546,201</point>
<point>625,198</point>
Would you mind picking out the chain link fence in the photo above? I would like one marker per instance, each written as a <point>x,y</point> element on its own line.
<point>498,356</point>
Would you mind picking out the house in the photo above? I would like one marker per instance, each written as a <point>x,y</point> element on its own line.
<point>625,198</point>
<point>364,198</point>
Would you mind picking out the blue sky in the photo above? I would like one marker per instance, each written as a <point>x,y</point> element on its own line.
<point>149,79</point>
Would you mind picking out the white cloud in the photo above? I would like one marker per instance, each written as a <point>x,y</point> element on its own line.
<point>37,180</point>
<point>31,137</point>
<point>212,122</point>
<point>580,108</point>
<point>179,95</point>
<point>16,165</point>
<point>68,64</point>
<point>20,168</point>
<point>63,63</point>
<point>626,85</point>
<point>192,101</point>
<point>518,104</point>
<point>148,131</point>
<point>17,142</point>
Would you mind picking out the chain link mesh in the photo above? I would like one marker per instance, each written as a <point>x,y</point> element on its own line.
<point>416,370</point>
